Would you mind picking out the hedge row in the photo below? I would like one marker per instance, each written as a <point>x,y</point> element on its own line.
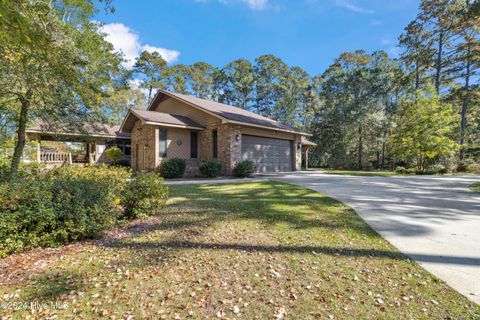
<point>73,203</point>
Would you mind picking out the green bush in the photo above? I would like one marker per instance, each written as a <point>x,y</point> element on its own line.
<point>210,168</point>
<point>172,168</point>
<point>438,169</point>
<point>113,154</point>
<point>473,168</point>
<point>244,168</point>
<point>144,196</point>
<point>25,170</point>
<point>63,205</point>
<point>401,170</point>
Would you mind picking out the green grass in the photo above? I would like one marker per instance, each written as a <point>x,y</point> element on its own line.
<point>258,250</point>
<point>475,187</point>
<point>361,173</point>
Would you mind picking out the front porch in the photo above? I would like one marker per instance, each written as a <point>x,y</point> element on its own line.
<point>67,148</point>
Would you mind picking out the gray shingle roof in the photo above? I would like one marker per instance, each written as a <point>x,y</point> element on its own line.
<point>225,111</point>
<point>97,130</point>
<point>165,118</point>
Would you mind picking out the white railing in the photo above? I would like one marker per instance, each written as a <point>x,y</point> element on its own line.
<point>55,157</point>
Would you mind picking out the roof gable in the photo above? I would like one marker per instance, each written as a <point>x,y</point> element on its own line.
<point>158,118</point>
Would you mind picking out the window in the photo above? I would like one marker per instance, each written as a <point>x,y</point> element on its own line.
<point>162,143</point>
<point>215,143</point>
<point>193,145</point>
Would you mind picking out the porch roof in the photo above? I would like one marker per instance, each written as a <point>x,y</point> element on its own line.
<point>86,131</point>
<point>158,118</point>
<point>308,143</point>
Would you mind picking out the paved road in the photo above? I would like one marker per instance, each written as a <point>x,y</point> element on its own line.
<point>433,219</point>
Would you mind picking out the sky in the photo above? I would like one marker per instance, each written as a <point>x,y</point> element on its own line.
<point>305,33</point>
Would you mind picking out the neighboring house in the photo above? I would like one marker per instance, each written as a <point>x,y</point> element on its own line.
<point>181,126</point>
<point>178,125</point>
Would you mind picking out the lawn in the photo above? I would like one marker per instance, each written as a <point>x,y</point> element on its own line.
<point>263,250</point>
<point>475,187</point>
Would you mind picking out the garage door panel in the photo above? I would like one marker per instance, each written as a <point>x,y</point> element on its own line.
<point>268,154</point>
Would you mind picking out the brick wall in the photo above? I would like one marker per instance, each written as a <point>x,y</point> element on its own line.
<point>145,136</point>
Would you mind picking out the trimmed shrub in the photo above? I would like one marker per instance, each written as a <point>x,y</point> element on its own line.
<point>144,196</point>
<point>244,168</point>
<point>210,168</point>
<point>113,154</point>
<point>172,168</point>
<point>473,168</point>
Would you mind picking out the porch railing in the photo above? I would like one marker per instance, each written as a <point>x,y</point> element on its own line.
<point>55,157</point>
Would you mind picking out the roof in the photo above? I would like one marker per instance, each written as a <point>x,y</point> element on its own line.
<point>225,112</point>
<point>158,118</point>
<point>91,130</point>
<point>308,143</point>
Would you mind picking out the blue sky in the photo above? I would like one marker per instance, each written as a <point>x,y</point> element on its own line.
<point>306,33</point>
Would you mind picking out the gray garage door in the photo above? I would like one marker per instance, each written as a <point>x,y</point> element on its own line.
<point>269,155</point>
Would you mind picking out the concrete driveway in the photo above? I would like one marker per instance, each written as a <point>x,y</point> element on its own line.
<point>433,219</point>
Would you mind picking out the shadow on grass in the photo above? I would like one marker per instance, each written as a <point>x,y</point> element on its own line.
<point>49,286</point>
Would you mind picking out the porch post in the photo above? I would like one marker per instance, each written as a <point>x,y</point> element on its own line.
<point>306,158</point>
<point>39,151</point>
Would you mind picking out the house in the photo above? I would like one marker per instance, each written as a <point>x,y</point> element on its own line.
<point>191,128</point>
<point>181,126</point>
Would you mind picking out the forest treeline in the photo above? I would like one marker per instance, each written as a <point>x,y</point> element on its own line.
<point>358,108</point>
<point>367,110</point>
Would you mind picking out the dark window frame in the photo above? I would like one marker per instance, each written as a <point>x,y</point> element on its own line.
<point>193,144</point>
<point>162,141</point>
<point>215,143</point>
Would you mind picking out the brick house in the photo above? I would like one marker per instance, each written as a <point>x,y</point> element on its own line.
<point>187,127</point>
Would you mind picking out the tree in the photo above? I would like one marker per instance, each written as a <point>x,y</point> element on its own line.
<point>424,129</point>
<point>269,72</point>
<point>417,54</point>
<point>54,64</point>
<point>239,84</point>
<point>201,77</point>
<point>154,70</point>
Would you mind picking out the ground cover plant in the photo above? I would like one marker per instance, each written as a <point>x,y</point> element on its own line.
<point>257,250</point>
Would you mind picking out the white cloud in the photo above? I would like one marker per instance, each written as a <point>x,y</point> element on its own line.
<point>128,42</point>
<point>251,4</point>
<point>352,7</point>
<point>256,4</point>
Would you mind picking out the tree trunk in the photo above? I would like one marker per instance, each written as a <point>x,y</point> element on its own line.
<point>360,148</point>
<point>384,146</point>
<point>417,75</point>
<point>22,125</point>
<point>463,123</point>
<point>439,62</point>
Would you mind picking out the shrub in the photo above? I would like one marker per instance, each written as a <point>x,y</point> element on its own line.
<point>144,196</point>
<point>244,168</point>
<point>210,168</point>
<point>123,163</point>
<point>473,168</point>
<point>438,169</point>
<point>66,204</point>
<point>25,170</point>
<point>172,168</point>
<point>113,154</point>
<point>401,170</point>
